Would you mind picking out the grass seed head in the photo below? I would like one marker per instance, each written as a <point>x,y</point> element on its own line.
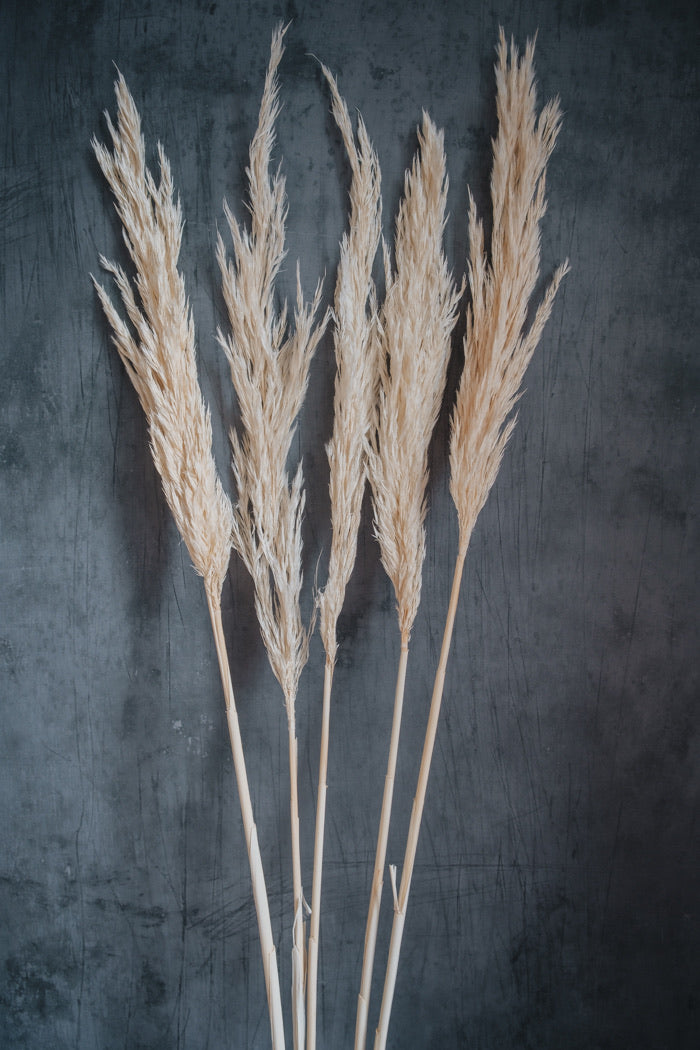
<point>158,345</point>
<point>414,334</point>
<point>498,344</point>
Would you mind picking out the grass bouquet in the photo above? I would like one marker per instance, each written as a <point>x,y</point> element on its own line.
<point>391,365</point>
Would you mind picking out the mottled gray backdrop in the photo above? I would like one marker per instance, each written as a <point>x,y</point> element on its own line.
<point>556,901</point>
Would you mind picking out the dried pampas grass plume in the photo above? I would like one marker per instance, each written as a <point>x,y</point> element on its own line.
<point>498,347</point>
<point>356,353</point>
<point>415,326</point>
<point>414,333</point>
<point>160,361</point>
<point>269,370</point>
<point>354,402</point>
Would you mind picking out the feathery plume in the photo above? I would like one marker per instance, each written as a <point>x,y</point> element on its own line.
<point>160,362</point>
<point>356,353</point>
<point>498,347</point>
<point>160,358</point>
<point>354,403</point>
<point>414,333</point>
<point>269,370</point>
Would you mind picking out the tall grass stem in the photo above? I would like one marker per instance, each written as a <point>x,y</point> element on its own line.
<point>401,901</point>
<point>262,909</point>
<point>315,921</point>
<point>380,855</point>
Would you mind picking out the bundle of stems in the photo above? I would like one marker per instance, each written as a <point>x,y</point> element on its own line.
<point>413,332</point>
<point>269,370</point>
<point>158,352</point>
<point>356,354</point>
<point>498,346</point>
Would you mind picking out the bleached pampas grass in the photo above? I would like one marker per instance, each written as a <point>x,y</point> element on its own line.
<point>158,352</point>
<point>391,367</point>
<point>269,370</point>
<point>356,353</point>
<point>498,347</point>
<point>414,331</point>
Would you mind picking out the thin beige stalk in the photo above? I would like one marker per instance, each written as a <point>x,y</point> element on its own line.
<point>272,985</point>
<point>269,370</point>
<point>355,394</point>
<point>160,362</point>
<point>401,899</point>
<point>380,855</point>
<point>414,333</point>
<point>497,347</point>
<point>315,922</point>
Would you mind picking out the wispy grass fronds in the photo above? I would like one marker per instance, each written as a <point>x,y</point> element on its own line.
<point>416,323</point>
<point>269,369</point>
<point>159,356</point>
<point>498,344</point>
<point>356,353</point>
<point>498,347</point>
<point>159,351</point>
<point>414,333</point>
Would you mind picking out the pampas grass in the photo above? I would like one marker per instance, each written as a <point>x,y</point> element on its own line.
<point>160,358</point>
<point>391,369</point>
<point>416,322</point>
<point>356,353</point>
<point>497,349</point>
<point>414,330</point>
<point>269,370</point>
<point>160,361</point>
<point>498,344</point>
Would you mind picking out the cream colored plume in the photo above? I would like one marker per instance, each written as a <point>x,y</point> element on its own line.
<point>415,327</point>
<point>356,353</point>
<point>269,370</point>
<point>499,344</point>
<point>160,354</point>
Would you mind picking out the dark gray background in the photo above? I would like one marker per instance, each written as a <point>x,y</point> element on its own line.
<point>556,899</point>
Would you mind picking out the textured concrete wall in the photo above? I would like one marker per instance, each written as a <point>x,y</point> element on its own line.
<point>555,899</point>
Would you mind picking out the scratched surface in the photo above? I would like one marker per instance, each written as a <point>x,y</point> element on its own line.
<point>556,900</point>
